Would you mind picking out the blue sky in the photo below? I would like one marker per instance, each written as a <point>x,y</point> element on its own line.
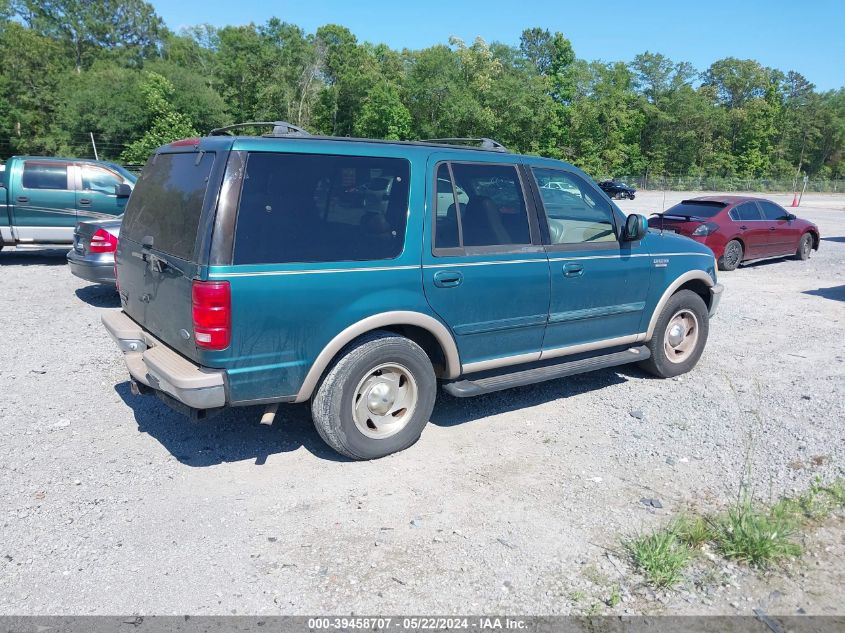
<point>808,37</point>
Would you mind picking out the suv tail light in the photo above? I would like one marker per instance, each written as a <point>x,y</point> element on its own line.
<point>103,242</point>
<point>212,313</point>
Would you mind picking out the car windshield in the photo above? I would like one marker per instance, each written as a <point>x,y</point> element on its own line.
<point>690,208</point>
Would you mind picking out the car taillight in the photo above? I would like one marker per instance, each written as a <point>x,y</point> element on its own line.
<point>706,229</point>
<point>212,313</point>
<point>103,242</point>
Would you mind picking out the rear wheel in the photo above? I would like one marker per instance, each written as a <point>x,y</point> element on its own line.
<point>732,256</point>
<point>679,336</point>
<point>376,398</point>
<point>805,247</point>
<point>631,196</point>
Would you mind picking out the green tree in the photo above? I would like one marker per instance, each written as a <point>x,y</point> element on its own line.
<point>383,115</point>
<point>166,124</point>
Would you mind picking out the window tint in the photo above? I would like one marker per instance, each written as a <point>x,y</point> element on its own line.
<point>44,175</point>
<point>96,178</point>
<point>319,208</point>
<point>446,233</point>
<point>747,212</point>
<point>167,202</point>
<point>771,211</point>
<point>494,213</point>
<point>576,214</point>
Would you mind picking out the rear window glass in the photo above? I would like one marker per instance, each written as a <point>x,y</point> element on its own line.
<point>695,209</point>
<point>44,175</point>
<point>321,208</point>
<point>167,202</point>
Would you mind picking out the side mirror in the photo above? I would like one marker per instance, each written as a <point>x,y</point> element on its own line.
<point>122,190</point>
<point>790,217</point>
<point>636,226</point>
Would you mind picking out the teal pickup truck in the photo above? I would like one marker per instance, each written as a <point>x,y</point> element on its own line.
<point>42,199</point>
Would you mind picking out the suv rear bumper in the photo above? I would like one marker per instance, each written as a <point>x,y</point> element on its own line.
<point>155,365</point>
<point>715,297</point>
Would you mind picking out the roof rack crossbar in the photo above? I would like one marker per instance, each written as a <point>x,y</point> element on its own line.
<point>483,142</point>
<point>280,128</point>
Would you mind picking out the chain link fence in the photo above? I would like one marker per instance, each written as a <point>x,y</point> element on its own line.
<point>719,183</point>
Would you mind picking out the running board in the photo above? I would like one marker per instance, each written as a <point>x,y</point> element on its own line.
<point>466,388</point>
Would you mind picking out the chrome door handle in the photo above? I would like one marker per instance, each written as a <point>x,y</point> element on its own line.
<point>448,278</point>
<point>573,270</point>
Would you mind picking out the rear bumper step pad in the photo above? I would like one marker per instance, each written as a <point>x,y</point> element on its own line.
<point>466,388</point>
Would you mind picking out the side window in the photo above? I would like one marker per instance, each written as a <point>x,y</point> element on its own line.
<point>771,211</point>
<point>99,179</point>
<point>44,175</point>
<point>447,211</point>
<point>321,208</point>
<point>575,213</point>
<point>747,212</point>
<point>494,213</point>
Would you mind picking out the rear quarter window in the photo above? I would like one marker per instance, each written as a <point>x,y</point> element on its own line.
<point>321,208</point>
<point>167,202</point>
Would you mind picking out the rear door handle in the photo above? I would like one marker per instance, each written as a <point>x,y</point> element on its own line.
<point>84,201</point>
<point>573,270</point>
<point>448,278</point>
<point>772,228</point>
<point>23,199</point>
<point>744,228</point>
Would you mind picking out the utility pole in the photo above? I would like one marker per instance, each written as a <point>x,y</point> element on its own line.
<point>803,189</point>
<point>94,145</point>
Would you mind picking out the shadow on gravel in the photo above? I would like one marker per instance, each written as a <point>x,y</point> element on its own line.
<point>46,257</point>
<point>835,293</point>
<point>839,238</point>
<point>451,411</point>
<point>232,436</point>
<point>766,262</point>
<point>99,295</point>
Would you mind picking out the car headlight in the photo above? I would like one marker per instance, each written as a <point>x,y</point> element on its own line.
<point>706,229</point>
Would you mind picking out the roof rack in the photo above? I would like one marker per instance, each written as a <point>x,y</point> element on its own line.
<point>482,142</point>
<point>280,128</point>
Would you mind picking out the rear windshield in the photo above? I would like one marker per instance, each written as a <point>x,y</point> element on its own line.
<point>167,201</point>
<point>695,209</point>
<point>321,208</point>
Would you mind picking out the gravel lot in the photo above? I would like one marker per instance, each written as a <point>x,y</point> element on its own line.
<point>514,502</point>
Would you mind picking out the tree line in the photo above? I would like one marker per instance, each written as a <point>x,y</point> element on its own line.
<point>69,68</point>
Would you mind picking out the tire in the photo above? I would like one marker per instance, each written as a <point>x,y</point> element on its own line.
<point>683,308</point>
<point>379,370</point>
<point>805,247</point>
<point>732,256</point>
<point>630,196</point>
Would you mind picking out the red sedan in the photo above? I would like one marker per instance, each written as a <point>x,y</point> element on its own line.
<point>738,228</point>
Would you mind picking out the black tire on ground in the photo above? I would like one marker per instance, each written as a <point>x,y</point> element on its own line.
<point>732,256</point>
<point>681,307</point>
<point>805,247</point>
<point>631,196</point>
<point>334,403</point>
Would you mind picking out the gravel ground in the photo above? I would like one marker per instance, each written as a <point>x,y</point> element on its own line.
<point>514,502</point>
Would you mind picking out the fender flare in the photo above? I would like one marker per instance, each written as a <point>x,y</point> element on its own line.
<point>383,319</point>
<point>692,275</point>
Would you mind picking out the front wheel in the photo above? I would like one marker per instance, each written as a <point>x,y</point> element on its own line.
<point>630,196</point>
<point>732,256</point>
<point>805,247</point>
<point>679,335</point>
<point>376,398</point>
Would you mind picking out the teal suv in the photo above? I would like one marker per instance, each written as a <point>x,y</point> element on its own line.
<point>360,274</point>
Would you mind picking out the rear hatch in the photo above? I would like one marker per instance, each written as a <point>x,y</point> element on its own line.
<point>686,217</point>
<point>157,253</point>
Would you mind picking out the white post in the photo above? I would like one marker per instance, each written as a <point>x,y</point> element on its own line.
<point>94,145</point>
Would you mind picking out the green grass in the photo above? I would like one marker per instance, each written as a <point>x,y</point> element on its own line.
<point>692,530</point>
<point>757,536</point>
<point>660,557</point>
